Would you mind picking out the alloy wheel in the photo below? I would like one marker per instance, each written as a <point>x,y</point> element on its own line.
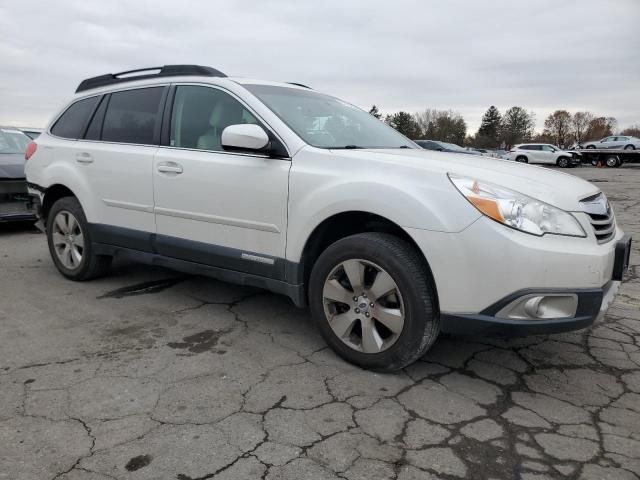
<point>363,305</point>
<point>67,239</point>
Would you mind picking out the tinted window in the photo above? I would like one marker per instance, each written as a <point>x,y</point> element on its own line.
<point>132,116</point>
<point>74,119</point>
<point>200,114</point>
<point>548,148</point>
<point>95,126</point>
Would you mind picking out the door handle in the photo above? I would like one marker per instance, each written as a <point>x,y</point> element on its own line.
<point>170,167</point>
<point>84,157</point>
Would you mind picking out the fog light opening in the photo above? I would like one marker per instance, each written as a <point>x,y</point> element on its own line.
<point>541,307</point>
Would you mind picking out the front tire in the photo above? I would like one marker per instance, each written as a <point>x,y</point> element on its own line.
<point>563,162</point>
<point>70,245</point>
<point>374,302</point>
<point>630,147</point>
<point>591,146</point>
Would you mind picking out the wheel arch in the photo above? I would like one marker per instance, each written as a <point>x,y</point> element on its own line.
<point>51,195</point>
<point>344,224</point>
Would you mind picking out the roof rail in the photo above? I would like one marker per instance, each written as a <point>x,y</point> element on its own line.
<point>299,85</point>
<point>165,71</point>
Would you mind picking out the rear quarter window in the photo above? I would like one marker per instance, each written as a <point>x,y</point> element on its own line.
<point>73,121</point>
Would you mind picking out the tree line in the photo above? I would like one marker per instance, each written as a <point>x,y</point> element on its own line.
<point>503,130</point>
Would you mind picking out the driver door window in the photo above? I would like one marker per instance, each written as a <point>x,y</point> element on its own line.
<point>200,114</point>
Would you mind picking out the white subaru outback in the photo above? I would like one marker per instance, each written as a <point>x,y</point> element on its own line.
<point>278,186</point>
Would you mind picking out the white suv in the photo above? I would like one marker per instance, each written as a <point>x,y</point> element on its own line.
<point>281,187</point>
<point>543,153</point>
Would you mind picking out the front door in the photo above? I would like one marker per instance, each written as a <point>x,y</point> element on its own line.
<point>214,207</point>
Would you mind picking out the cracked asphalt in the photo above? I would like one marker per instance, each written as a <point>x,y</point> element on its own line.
<point>147,374</point>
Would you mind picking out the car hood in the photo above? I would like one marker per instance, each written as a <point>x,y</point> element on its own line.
<point>562,190</point>
<point>11,165</point>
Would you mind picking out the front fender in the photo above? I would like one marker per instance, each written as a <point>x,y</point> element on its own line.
<point>427,203</point>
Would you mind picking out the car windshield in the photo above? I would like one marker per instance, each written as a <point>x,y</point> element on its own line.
<point>13,141</point>
<point>326,122</point>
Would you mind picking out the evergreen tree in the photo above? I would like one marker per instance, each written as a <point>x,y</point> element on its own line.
<point>405,123</point>
<point>489,131</point>
<point>517,126</point>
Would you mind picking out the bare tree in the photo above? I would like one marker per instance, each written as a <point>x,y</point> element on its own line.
<point>558,126</point>
<point>580,123</point>
<point>600,127</point>
<point>633,130</point>
<point>442,125</point>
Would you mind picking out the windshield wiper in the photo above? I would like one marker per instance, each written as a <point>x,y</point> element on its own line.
<point>348,147</point>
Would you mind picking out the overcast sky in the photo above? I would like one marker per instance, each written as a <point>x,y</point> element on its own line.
<point>397,54</point>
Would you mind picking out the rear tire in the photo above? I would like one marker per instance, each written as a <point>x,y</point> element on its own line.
<point>382,277</point>
<point>591,146</point>
<point>563,162</point>
<point>630,147</point>
<point>522,159</point>
<point>612,161</point>
<point>70,244</point>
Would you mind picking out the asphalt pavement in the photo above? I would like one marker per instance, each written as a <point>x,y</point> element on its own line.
<point>150,374</point>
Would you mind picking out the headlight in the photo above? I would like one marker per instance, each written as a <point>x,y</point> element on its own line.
<point>516,210</point>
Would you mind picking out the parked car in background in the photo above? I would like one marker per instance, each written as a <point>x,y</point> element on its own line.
<point>387,243</point>
<point>32,133</point>
<point>480,151</point>
<point>625,142</point>
<point>543,153</point>
<point>444,147</point>
<point>15,203</point>
<point>502,154</point>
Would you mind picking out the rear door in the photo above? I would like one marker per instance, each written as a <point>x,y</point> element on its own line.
<point>220,208</point>
<point>116,157</point>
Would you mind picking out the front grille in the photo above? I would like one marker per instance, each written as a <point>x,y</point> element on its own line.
<point>601,217</point>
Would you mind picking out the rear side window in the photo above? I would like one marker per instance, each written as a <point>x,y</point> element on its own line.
<point>132,116</point>
<point>73,121</point>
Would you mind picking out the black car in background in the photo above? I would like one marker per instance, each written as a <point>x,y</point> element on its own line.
<point>15,204</point>
<point>444,147</point>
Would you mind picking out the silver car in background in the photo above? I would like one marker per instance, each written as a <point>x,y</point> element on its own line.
<point>625,142</point>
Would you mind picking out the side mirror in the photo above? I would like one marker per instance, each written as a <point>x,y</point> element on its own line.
<point>244,137</point>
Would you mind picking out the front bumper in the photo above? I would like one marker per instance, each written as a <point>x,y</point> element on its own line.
<point>478,269</point>
<point>592,305</point>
